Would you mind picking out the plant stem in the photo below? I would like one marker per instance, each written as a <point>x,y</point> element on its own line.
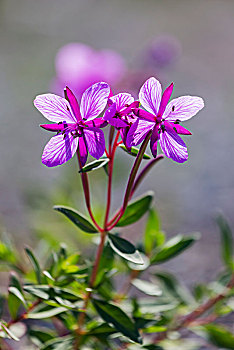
<point>144,172</point>
<point>85,183</point>
<point>81,318</point>
<point>110,174</point>
<point>131,180</point>
<point>24,314</point>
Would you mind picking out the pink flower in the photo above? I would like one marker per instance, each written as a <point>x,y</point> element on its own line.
<point>120,114</point>
<point>76,125</point>
<point>79,66</point>
<point>163,119</point>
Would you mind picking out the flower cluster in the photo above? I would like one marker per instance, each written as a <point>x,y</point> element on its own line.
<point>79,126</point>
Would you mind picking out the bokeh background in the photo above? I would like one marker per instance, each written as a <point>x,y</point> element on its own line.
<point>188,42</point>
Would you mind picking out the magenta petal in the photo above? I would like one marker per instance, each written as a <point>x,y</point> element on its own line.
<point>55,127</point>
<point>165,99</point>
<point>110,112</point>
<point>154,141</point>
<point>179,128</point>
<point>122,101</point>
<point>128,109</point>
<point>150,95</point>
<point>59,150</point>
<point>94,100</point>
<point>183,108</point>
<point>73,103</point>
<point>142,114</point>
<point>83,151</point>
<point>138,132</point>
<point>54,108</point>
<point>173,146</point>
<point>95,141</point>
<point>98,123</point>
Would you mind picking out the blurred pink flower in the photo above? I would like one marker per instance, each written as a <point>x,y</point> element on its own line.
<point>79,66</point>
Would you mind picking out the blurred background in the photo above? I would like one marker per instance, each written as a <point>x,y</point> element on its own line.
<point>47,44</point>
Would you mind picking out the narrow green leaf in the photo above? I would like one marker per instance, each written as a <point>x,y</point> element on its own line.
<point>96,164</point>
<point>220,336</point>
<point>173,247</point>
<point>46,292</point>
<point>35,264</point>
<point>154,237</point>
<point>77,218</point>
<point>50,312</point>
<point>227,244</point>
<point>8,332</point>
<point>136,209</point>
<point>170,284</point>
<point>134,151</point>
<point>17,294</point>
<point>114,315</point>
<point>63,343</point>
<point>125,249</point>
<point>147,287</point>
<point>39,337</point>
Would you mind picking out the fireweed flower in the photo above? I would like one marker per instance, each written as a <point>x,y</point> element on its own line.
<point>75,124</point>
<point>163,119</point>
<point>119,114</point>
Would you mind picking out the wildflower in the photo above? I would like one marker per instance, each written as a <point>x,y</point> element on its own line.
<point>79,66</point>
<point>75,124</point>
<point>120,114</point>
<point>163,119</point>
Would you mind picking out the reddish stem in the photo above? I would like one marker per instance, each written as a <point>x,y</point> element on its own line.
<point>110,175</point>
<point>131,180</point>
<point>85,183</point>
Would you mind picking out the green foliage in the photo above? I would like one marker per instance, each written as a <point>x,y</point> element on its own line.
<point>54,288</point>
<point>119,319</point>
<point>154,237</point>
<point>136,209</point>
<point>77,218</point>
<point>96,164</point>
<point>227,243</point>
<point>173,247</point>
<point>220,336</point>
<point>134,151</point>
<point>125,249</point>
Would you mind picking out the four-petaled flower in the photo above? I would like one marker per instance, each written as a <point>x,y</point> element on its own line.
<point>120,114</point>
<point>163,119</point>
<point>75,124</point>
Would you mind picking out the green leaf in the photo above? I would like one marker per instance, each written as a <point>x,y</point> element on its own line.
<point>7,332</point>
<point>173,247</point>
<point>77,218</point>
<point>63,343</point>
<point>147,287</point>
<point>125,249</point>
<point>103,328</point>
<point>136,209</point>
<point>35,264</point>
<point>39,337</point>
<point>46,292</point>
<point>96,164</point>
<point>154,237</point>
<point>172,286</point>
<point>227,244</point>
<point>114,315</point>
<point>220,336</point>
<point>156,305</point>
<point>6,253</point>
<point>15,298</point>
<point>134,151</point>
<point>45,311</point>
